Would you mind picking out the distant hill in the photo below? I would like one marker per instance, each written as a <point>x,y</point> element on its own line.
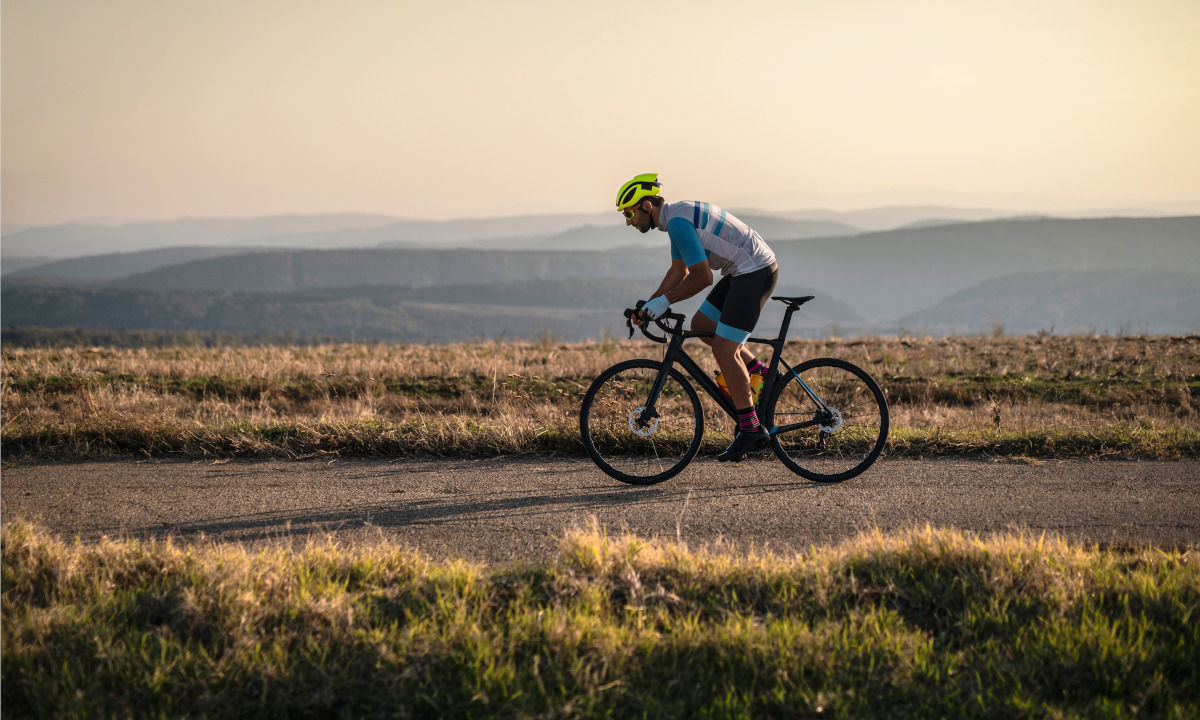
<point>776,228</point>
<point>1131,301</point>
<point>15,264</point>
<point>310,269</point>
<point>311,231</point>
<point>613,235</point>
<point>891,274</point>
<point>571,308</point>
<point>583,293</point>
<point>520,232</point>
<point>114,266</point>
<point>868,282</point>
<point>935,222</point>
<point>346,230</point>
<point>878,219</point>
<point>883,275</point>
<point>596,238</point>
<point>67,241</point>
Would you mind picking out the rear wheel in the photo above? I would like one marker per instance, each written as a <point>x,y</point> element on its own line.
<point>629,446</point>
<point>837,438</point>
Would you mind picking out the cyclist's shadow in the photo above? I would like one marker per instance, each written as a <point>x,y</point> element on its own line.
<point>461,507</point>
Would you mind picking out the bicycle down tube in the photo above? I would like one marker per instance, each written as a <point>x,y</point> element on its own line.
<point>676,354</point>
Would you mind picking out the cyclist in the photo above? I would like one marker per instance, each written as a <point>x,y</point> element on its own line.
<point>705,238</point>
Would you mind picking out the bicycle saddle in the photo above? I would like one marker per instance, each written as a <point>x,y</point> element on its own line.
<point>793,301</point>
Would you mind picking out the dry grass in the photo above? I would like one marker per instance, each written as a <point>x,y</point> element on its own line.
<point>1138,395</point>
<point>923,623</point>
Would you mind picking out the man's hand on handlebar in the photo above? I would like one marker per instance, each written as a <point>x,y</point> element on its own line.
<point>648,311</point>
<point>657,306</point>
<point>641,317</point>
<point>636,317</point>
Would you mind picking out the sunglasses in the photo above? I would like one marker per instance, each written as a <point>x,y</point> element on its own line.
<point>631,212</point>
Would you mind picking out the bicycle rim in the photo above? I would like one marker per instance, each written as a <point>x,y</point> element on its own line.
<point>630,451</point>
<point>847,439</point>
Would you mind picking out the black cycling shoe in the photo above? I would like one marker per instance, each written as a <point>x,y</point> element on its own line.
<point>743,443</point>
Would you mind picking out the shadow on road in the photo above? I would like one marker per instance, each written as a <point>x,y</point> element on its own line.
<point>490,504</point>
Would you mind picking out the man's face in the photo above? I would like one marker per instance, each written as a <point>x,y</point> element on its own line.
<point>638,217</point>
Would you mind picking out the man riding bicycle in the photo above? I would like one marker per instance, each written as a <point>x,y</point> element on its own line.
<point>704,238</point>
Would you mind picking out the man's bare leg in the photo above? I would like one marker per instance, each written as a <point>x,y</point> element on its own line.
<point>703,323</point>
<point>737,378</point>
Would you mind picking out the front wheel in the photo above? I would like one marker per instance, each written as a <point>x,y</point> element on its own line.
<point>629,443</point>
<point>830,420</point>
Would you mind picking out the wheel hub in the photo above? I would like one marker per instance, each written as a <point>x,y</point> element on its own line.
<point>832,421</point>
<point>642,428</point>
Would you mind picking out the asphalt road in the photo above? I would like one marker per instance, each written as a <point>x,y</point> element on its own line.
<point>510,509</point>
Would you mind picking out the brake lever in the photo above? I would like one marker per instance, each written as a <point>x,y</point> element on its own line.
<point>629,313</point>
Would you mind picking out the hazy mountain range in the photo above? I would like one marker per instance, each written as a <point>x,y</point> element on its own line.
<point>32,246</point>
<point>1121,301</point>
<point>935,270</point>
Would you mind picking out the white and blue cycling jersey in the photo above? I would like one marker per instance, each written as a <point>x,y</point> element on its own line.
<point>701,230</point>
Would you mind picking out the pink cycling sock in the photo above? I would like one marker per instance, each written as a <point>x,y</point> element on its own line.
<point>758,367</point>
<point>748,420</point>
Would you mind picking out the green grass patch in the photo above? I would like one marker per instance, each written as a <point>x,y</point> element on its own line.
<point>1111,441</point>
<point>952,390</point>
<point>1098,392</point>
<point>924,623</point>
<point>306,389</point>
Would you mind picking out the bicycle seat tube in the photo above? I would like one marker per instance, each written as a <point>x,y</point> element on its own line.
<point>777,344</point>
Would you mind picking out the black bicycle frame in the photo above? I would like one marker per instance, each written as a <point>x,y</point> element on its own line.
<point>676,354</point>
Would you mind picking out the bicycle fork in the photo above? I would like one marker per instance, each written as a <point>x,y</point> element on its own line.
<point>649,414</point>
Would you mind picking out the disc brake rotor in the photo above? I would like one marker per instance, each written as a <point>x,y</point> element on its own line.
<point>835,422</point>
<point>639,429</point>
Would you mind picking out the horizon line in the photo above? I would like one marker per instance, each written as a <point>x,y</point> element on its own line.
<point>1161,209</point>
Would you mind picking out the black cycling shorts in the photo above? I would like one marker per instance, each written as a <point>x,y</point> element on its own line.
<point>735,303</point>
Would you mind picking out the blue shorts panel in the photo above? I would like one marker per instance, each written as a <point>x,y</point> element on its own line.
<point>731,333</point>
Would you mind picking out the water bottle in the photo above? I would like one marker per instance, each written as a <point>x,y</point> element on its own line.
<point>756,384</point>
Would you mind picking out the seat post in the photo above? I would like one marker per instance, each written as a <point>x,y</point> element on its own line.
<point>787,321</point>
<point>793,304</point>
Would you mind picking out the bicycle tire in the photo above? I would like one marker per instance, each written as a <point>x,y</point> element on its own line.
<point>607,423</point>
<point>860,426</point>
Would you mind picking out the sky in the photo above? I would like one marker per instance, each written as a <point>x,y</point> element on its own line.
<point>132,109</point>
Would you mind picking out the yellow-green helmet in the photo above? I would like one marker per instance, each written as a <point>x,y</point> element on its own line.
<point>638,189</point>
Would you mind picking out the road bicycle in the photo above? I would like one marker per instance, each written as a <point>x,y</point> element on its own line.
<point>641,420</point>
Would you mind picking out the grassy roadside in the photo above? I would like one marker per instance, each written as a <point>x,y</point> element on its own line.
<point>929,623</point>
<point>456,436</point>
<point>1034,396</point>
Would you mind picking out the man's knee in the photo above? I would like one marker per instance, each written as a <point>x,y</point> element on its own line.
<point>724,348</point>
<point>703,323</point>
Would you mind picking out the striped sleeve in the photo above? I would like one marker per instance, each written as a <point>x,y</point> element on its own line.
<point>685,242</point>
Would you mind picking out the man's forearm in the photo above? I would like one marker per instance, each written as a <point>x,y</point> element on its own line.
<point>691,284</point>
<point>670,282</point>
